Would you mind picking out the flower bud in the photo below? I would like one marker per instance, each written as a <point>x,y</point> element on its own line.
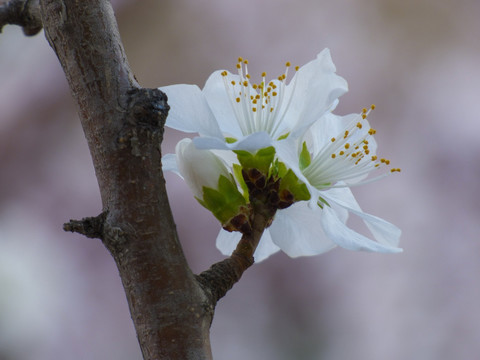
<point>211,182</point>
<point>199,168</point>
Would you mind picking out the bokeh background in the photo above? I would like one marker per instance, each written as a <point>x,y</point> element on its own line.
<point>417,60</point>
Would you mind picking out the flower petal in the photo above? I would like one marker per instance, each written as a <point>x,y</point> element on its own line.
<point>227,242</point>
<point>383,231</point>
<point>219,101</point>
<point>322,131</point>
<point>298,231</point>
<point>265,247</point>
<point>314,89</point>
<point>189,111</point>
<point>169,163</point>
<point>252,143</point>
<point>347,238</point>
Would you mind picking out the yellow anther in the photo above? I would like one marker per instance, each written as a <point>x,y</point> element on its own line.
<point>224,73</point>
<point>287,64</point>
<point>365,142</point>
<point>374,157</point>
<point>364,116</point>
<point>257,96</point>
<point>264,74</point>
<point>297,67</point>
<point>359,125</point>
<point>341,152</point>
<point>254,101</point>
<point>382,160</point>
<point>239,66</point>
<point>334,156</point>
<point>365,147</point>
<point>271,109</point>
<point>245,83</point>
<point>395,170</point>
<point>372,131</point>
<point>372,106</point>
<point>245,62</point>
<point>240,59</point>
<point>387,162</point>
<point>364,110</point>
<point>247,76</point>
<point>274,93</point>
<point>233,83</point>
<point>354,155</point>
<point>237,99</point>
<point>255,86</point>
<point>332,139</point>
<point>346,134</point>
<point>280,78</point>
<point>254,109</point>
<point>367,151</point>
<point>347,145</point>
<point>284,77</point>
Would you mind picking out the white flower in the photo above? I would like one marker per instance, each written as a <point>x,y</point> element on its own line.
<point>335,153</point>
<point>233,113</point>
<point>328,153</point>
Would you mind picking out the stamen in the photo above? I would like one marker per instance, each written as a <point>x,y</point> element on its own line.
<point>262,102</point>
<point>340,160</point>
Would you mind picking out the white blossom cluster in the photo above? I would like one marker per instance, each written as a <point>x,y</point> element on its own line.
<point>281,140</point>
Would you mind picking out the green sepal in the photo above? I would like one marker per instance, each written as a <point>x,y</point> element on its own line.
<point>305,158</point>
<point>237,172</point>
<point>281,169</point>
<point>261,160</point>
<point>284,136</point>
<point>224,202</point>
<point>291,183</point>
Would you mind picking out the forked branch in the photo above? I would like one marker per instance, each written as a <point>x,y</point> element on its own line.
<point>25,13</point>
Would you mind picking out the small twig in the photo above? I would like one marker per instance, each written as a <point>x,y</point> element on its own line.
<point>91,227</point>
<point>25,13</point>
<point>221,277</point>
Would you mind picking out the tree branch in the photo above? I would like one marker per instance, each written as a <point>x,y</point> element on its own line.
<point>123,124</point>
<point>171,308</point>
<point>25,13</point>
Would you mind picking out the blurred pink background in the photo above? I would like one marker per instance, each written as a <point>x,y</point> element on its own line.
<point>418,61</point>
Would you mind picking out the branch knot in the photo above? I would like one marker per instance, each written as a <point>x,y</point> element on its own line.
<point>91,227</point>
